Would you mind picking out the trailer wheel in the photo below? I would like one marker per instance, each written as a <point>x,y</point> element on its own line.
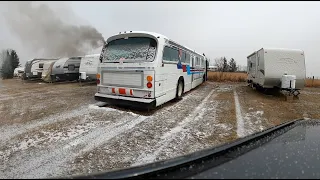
<point>180,89</point>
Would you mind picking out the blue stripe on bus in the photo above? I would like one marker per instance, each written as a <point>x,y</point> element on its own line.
<point>189,71</point>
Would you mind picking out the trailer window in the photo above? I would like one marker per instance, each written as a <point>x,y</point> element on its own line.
<point>132,48</point>
<point>71,67</point>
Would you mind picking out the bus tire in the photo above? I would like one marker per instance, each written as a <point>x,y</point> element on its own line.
<point>180,88</point>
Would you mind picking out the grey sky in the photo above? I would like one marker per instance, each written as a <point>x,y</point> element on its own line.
<point>231,29</point>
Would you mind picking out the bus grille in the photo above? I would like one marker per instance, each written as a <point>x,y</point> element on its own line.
<point>122,79</point>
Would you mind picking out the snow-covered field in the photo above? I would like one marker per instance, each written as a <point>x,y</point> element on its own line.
<point>60,130</point>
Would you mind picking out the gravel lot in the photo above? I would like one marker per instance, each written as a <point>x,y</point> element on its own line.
<point>50,130</point>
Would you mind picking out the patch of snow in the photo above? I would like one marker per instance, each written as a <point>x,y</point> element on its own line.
<point>223,126</point>
<point>133,114</point>
<point>7,132</point>
<point>95,107</point>
<point>260,113</point>
<point>253,121</point>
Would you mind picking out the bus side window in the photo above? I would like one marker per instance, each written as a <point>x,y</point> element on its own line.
<point>197,61</point>
<point>192,61</point>
<point>170,54</point>
<point>188,58</point>
<point>183,56</point>
<point>174,54</point>
<point>166,54</point>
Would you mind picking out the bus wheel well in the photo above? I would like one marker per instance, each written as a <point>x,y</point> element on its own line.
<point>181,79</point>
<point>180,89</point>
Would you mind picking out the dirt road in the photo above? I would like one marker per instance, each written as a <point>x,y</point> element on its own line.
<point>51,130</point>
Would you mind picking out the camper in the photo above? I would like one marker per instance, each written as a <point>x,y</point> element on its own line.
<point>33,68</point>
<point>277,68</point>
<point>88,67</point>
<point>47,71</point>
<point>18,72</point>
<point>66,69</point>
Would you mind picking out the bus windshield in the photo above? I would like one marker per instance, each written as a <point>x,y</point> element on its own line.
<point>132,48</point>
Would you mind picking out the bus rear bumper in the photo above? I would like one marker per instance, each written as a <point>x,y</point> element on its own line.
<point>127,101</point>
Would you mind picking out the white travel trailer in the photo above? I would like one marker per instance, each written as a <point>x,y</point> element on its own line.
<point>33,68</point>
<point>18,72</point>
<point>277,68</point>
<point>66,69</point>
<point>88,67</point>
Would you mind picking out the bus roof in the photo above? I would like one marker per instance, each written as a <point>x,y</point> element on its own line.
<point>154,34</point>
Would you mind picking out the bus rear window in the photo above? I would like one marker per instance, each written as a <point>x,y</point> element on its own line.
<point>132,48</point>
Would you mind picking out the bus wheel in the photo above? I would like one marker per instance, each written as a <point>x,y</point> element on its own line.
<point>179,89</point>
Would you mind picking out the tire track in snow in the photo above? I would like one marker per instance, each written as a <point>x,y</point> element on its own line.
<point>53,160</point>
<point>240,121</point>
<point>166,139</point>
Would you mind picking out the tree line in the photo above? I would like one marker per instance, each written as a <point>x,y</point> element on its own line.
<point>224,66</point>
<point>9,60</point>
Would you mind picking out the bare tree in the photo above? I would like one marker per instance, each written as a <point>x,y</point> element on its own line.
<point>219,63</point>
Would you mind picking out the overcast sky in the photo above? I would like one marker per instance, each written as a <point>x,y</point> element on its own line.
<point>231,29</point>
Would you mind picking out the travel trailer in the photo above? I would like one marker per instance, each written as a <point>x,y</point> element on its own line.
<point>277,68</point>
<point>88,67</point>
<point>33,68</point>
<point>66,69</point>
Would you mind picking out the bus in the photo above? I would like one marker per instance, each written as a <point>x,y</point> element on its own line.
<point>147,69</point>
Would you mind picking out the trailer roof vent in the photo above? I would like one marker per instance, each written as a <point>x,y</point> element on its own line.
<point>130,31</point>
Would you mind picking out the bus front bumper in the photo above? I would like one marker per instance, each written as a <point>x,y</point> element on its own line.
<point>127,101</point>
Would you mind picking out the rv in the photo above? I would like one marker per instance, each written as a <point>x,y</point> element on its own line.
<point>277,68</point>
<point>33,68</point>
<point>47,71</point>
<point>88,67</point>
<point>66,69</point>
<point>18,72</point>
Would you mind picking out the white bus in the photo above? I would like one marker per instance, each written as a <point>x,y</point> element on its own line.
<point>147,69</point>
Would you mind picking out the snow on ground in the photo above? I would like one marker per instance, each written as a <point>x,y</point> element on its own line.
<point>84,136</point>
